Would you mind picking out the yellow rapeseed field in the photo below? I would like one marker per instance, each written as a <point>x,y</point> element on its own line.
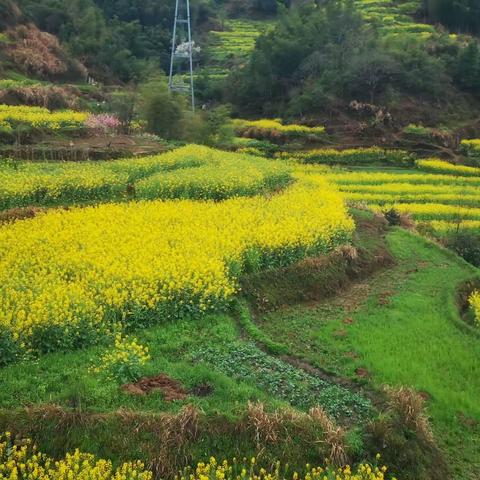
<point>69,277</point>
<point>39,118</point>
<point>271,127</point>
<point>471,147</point>
<point>350,156</point>
<point>190,172</point>
<point>444,201</point>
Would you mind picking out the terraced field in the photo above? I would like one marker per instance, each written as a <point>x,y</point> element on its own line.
<point>233,44</point>
<point>395,17</point>
<point>186,248</point>
<point>444,202</point>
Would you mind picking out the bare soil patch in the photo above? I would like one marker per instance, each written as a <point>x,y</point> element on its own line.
<point>172,389</point>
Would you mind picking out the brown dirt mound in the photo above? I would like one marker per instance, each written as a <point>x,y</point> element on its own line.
<point>13,214</point>
<point>172,389</point>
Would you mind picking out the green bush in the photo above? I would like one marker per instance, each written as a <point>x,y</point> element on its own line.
<point>393,217</point>
<point>162,111</point>
<point>467,245</point>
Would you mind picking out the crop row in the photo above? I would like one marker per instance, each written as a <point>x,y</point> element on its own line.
<point>24,461</point>
<point>440,166</point>
<point>235,41</point>
<point>70,277</point>
<point>393,19</point>
<point>353,156</point>
<point>250,471</point>
<point>275,130</point>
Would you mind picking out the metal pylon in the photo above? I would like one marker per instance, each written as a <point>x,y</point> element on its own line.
<point>182,51</point>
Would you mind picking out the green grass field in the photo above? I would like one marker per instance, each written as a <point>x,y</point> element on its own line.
<point>401,328</point>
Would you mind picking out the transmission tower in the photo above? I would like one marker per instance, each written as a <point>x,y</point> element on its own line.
<point>181,61</point>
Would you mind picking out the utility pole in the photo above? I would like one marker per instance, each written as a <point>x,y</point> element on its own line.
<point>182,51</point>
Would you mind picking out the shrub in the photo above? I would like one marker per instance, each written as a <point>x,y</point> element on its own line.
<point>162,112</point>
<point>466,244</point>
<point>212,127</point>
<point>122,105</point>
<point>40,53</point>
<point>405,434</point>
<point>52,97</point>
<point>393,217</point>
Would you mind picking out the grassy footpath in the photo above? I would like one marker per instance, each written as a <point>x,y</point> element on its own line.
<point>401,328</point>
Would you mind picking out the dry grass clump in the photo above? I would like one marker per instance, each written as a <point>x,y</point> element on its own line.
<point>335,436</point>
<point>285,425</point>
<point>410,407</point>
<point>347,251</point>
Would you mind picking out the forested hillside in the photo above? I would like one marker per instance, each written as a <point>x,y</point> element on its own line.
<point>123,40</point>
<point>320,57</point>
<point>372,52</point>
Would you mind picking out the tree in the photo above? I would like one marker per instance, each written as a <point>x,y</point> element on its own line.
<point>467,68</point>
<point>162,111</point>
<point>458,15</point>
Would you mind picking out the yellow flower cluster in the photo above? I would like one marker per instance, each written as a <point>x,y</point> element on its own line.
<point>26,463</point>
<point>474,301</point>
<point>67,276</point>
<point>244,470</point>
<point>471,147</point>
<point>270,127</point>
<point>125,360</point>
<point>351,156</point>
<point>440,166</point>
<point>189,172</point>
<point>40,118</point>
